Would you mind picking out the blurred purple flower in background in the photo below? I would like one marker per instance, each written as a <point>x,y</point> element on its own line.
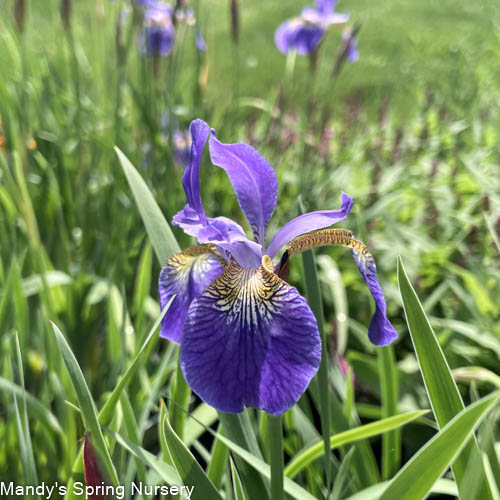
<point>247,337</point>
<point>160,19</point>
<point>158,37</point>
<point>305,32</point>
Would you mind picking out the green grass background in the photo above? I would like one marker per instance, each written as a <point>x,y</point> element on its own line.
<point>410,131</point>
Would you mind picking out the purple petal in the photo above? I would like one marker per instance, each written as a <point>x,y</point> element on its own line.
<point>314,16</point>
<point>250,340</point>
<point>298,35</point>
<point>159,40</point>
<point>308,222</point>
<point>185,275</point>
<point>157,12</point>
<point>191,179</point>
<point>253,180</point>
<point>221,231</point>
<point>380,331</point>
<point>326,6</point>
<point>335,19</point>
<point>311,15</point>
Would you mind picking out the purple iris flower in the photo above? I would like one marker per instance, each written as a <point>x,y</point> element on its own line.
<point>158,37</point>
<point>247,337</point>
<point>305,32</point>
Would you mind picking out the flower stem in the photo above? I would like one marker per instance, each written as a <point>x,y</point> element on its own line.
<point>275,433</point>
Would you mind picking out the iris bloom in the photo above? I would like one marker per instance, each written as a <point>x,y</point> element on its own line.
<point>158,37</point>
<point>247,337</point>
<point>305,32</point>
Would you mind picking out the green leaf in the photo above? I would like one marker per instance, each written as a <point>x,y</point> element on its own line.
<point>415,479</point>
<point>313,294</point>
<point>238,429</point>
<point>35,407</point>
<point>180,393</point>
<point>218,460</point>
<point>108,409</point>
<point>438,379</point>
<point>292,488</point>
<point>441,486</point>
<point>204,414</point>
<point>239,492</point>
<point>87,406</point>
<point>343,476</point>
<point>303,459</point>
<point>23,430</point>
<point>158,229</point>
<point>132,432</point>
<point>391,441</point>
<point>275,435</point>
<point>166,472</point>
<point>188,468</point>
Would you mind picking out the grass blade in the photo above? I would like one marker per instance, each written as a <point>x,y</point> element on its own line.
<point>415,479</point>
<point>239,492</point>
<point>166,472</point>
<point>275,433</point>
<point>158,229</point>
<point>313,293</point>
<point>87,405</point>
<point>391,441</point>
<point>301,461</point>
<point>189,469</point>
<point>218,461</point>
<point>438,379</point>
<point>239,430</point>
<point>290,487</point>
<point>441,486</point>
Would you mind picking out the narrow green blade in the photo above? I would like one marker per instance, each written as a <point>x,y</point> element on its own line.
<point>415,479</point>
<point>158,229</point>
<point>87,405</point>
<point>302,460</point>
<point>188,468</point>
<point>439,383</point>
<point>166,472</point>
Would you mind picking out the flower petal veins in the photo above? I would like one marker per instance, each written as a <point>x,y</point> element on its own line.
<point>185,275</point>
<point>250,339</point>
<point>253,179</point>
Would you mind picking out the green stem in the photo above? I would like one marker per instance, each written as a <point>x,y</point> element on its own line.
<point>313,293</point>
<point>275,433</point>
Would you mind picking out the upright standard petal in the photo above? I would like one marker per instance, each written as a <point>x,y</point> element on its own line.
<point>253,180</point>
<point>191,179</point>
<point>380,332</point>
<point>185,275</point>
<point>326,7</point>
<point>250,339</point>
<point>309,222</point>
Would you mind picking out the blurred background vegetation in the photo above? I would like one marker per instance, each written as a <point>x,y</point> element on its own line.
<point>411,131</point>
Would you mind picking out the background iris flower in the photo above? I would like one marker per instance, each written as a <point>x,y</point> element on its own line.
<point>248,337</point>
<point>158,37</point>
<point>305,32</point>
